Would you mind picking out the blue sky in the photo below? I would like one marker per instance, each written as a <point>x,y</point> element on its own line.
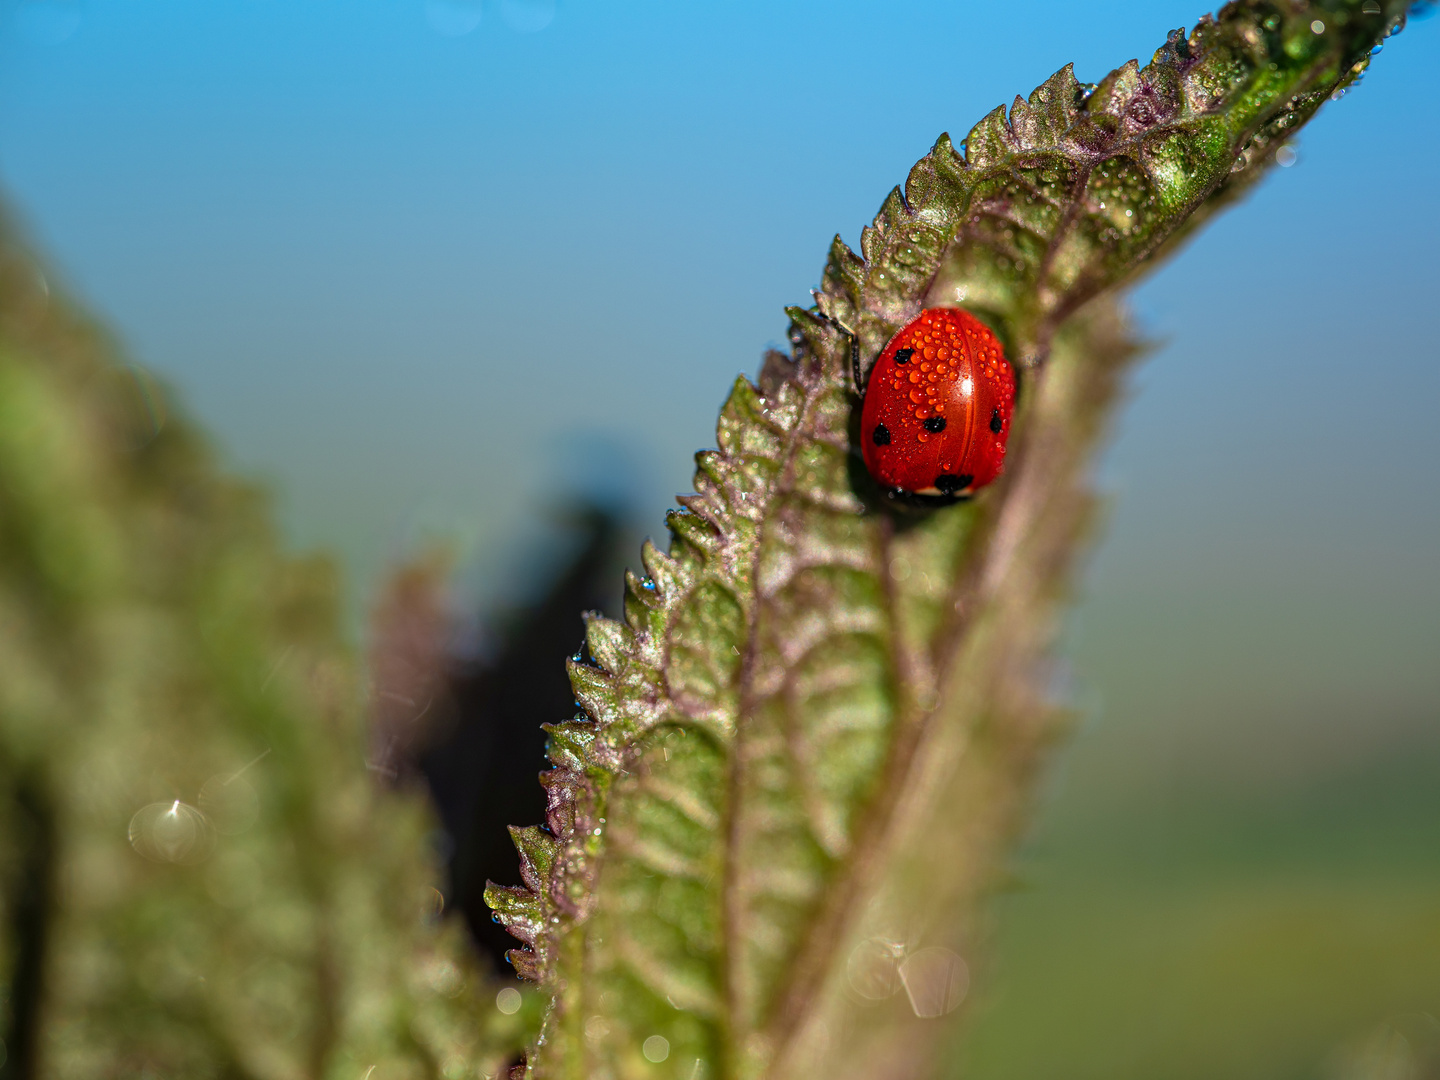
<point>332,228</point>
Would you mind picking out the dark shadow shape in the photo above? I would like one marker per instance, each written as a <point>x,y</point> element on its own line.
<point>483,771</point>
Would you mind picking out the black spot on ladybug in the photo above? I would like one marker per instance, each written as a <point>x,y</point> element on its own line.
<point>995,422</point>
<point>935,424</point>
<point>881,435</point>
<point>949,484</point>
<point>903,356</point>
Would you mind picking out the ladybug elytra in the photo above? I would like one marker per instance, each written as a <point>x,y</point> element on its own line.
<point>937,407</point>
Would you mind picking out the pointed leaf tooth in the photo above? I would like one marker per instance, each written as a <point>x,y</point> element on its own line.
<point>1161,93</point>
<point>699,506</point>
<point>526,930</point>
<point>871,238</point>
<point>568,745</point>
<point>1054,105</point>
<point>514,905</point>
<point>894,212</point>
<point>804,324</point>
<point>527,966</point>
<point>643,611</point>
<point>594,690</point>
<point>820,337</point>
<point>608,641</point>
<point>1024,123</point>
<point>537,850</point>
<point>706,505</point>
<point>692,529</point>
<point>710,465</point>
<point>842,260</point>
<point>742,407</point>
<point>990,140</point>
<point>945,154</point>
<point>920,186</point>
<point>662,569</point>
<point>776,372</point>
<point>951,174</point>
<point>1175,52</point>
<point>842,281</point>
<point>560,787</point>
<point>744,430</point>
<point>643,589</point>
<point>1112,96</point>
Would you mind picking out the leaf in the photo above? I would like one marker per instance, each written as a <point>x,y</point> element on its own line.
<point>800,754</point>
<point>164,667</point>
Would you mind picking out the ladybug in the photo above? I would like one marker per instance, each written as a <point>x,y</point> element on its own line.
<point>937,408</point>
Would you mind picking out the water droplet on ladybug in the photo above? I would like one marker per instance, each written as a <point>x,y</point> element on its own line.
<point>936,418</point>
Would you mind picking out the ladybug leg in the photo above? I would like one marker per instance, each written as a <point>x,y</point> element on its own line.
<point>855,380</point>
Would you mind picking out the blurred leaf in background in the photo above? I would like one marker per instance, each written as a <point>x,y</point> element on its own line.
<point>198,877</point>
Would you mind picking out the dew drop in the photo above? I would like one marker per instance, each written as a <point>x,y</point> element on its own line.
<point>872,969</point>
<point>936,981</point>
<point>173,832</point>
<point>434,904</point>
<point>508,1001</point>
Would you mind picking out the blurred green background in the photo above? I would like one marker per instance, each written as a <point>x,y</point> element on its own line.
<point>334,228</point>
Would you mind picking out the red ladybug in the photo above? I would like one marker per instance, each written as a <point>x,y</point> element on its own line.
<point>937,407</point>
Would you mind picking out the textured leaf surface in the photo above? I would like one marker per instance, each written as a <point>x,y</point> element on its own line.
<point>156,649</point>
<point>800,753</point>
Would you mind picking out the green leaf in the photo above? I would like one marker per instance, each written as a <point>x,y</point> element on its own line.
<point>166,673</point>
<point>803,750</point>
